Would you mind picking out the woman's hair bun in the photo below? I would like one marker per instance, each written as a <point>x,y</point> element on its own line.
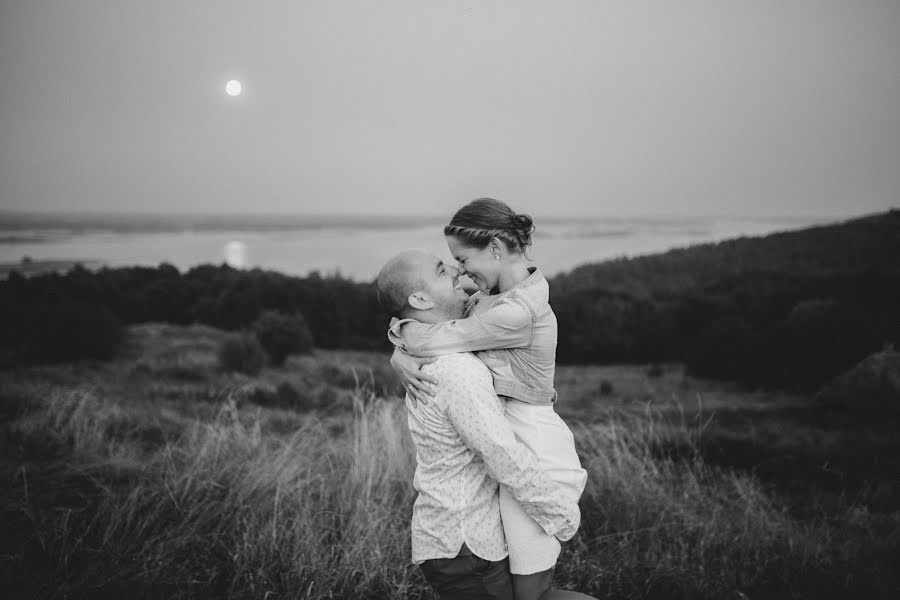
<point>524,228</point>
<point>523,222</point>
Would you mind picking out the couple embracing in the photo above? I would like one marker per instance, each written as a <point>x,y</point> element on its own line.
<point>497,475</point>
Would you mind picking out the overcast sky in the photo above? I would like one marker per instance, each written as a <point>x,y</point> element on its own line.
<point>757,107</point>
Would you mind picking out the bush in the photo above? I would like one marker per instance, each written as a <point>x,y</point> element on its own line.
<point>242,352</point>
<point>655,371</point>
<point>282,334</point>
<point>290,397</point>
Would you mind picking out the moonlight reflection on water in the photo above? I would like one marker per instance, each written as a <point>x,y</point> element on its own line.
<point>236,254</point>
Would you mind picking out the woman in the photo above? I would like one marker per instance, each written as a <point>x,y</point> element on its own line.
<point>511,327</point>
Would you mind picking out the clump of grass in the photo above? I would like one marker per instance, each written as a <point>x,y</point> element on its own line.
<point>230,509</point>
<point>664,526</point>
<point>379,379</point>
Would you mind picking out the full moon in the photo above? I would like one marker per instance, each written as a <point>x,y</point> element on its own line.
<point>233,88</point>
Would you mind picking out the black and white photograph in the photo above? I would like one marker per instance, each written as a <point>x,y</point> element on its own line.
<point>450,299</point>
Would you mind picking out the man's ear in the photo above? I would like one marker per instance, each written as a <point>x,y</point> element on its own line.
<point>420,301</point>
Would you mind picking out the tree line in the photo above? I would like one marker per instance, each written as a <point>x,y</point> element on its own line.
<point>788,310</point>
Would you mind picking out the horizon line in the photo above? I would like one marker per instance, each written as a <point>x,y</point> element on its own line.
<point>426,217</point>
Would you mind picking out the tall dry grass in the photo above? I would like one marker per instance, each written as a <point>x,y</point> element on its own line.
<point>230,509</point>
<point>260,503</point>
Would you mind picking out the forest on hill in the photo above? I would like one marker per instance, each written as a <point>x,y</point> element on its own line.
<point>788,310</point>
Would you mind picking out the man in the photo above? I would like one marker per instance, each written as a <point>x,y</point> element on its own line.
<point>464,448</point>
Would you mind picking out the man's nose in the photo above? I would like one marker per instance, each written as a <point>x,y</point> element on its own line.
<point>461,270</point>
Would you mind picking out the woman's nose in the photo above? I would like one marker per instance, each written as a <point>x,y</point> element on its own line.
<point>460,270</point>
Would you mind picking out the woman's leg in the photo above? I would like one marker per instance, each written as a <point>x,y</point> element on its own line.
<point>531,587</point>
<point>565,595</point>
<point>537,587</point>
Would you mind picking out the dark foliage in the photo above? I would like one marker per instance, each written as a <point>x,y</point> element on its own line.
<point>339,313</point>
<point>242,353</point>
<point>55,330</point>
<point>281,335</point>
<point>790,310</point>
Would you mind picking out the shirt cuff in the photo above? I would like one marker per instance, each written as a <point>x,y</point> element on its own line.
<point>393,333</point>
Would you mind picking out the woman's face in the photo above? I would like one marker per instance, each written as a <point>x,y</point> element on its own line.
<point>480,266</point>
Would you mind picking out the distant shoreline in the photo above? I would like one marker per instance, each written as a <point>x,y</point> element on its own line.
<point>42,267</point>
<point>86,223</point>
<point>25,227</point>
<point>354,246</point>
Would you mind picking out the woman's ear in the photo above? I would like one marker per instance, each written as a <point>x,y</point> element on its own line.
<point>420,301</point>
<point>495,246</point>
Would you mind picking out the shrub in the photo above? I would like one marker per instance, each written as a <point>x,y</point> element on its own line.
<point>655,371</point>
<point>339,377</point>
<point>291,397</point>
<point>287,394</point>
<point>282,334</point>
<point>255,393</point>
<point>242,352</point>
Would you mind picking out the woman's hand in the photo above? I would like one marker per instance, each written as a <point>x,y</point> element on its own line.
<point>420,386</point>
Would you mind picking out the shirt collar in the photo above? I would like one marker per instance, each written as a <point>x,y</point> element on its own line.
<point>535,276</point>
<point>394,330</point>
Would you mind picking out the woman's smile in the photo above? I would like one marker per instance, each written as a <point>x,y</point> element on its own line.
<point>477,280</point>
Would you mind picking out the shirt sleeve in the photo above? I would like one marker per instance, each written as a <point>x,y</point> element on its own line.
<point>507,324</point>
<point>477,414</point>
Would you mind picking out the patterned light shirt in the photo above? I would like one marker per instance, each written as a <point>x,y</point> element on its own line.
<point>464,447</point>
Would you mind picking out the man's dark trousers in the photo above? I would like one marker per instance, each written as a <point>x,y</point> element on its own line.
<point>467,576</point>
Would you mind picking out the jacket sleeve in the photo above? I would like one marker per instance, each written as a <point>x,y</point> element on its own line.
<point>507,324</point>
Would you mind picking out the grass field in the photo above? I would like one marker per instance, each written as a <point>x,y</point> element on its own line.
<point>158,476</point>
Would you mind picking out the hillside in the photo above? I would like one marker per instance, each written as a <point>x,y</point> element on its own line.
<point>790,309</point>
<point>869,244</point>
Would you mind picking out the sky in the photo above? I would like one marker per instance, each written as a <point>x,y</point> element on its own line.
<point>564,108</point>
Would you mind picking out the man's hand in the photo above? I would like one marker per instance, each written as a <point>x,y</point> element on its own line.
<point>420,386</point>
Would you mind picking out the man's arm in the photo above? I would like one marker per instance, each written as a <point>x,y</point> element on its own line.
<point>507,324</point>
<point>477,415</point>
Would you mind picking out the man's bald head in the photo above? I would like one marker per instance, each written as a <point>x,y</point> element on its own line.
<point>398,278</point>
<point>415,284</point>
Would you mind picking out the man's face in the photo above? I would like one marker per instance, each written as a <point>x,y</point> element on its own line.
<point>441,282</point>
